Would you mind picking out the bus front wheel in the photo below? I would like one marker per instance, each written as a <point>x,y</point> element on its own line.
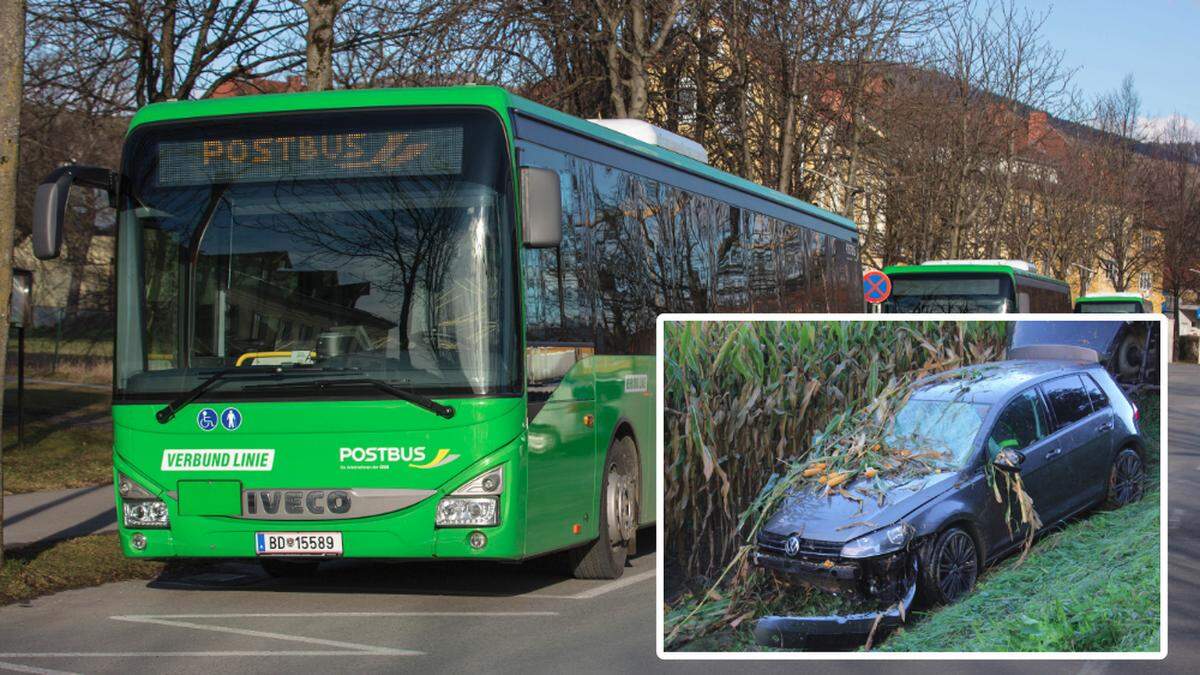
<point>605,557</point>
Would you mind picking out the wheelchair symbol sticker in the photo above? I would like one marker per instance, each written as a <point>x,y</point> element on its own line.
<point>231,419</point>
<point>207,419</point>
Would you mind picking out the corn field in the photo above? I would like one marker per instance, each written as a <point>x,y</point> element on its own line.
<point>744,400</point>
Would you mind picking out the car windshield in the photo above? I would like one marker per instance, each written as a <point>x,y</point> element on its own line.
<point>377,243</point>
<point>1131,307</point>
<point>930,293</point>
<point>946,428</point>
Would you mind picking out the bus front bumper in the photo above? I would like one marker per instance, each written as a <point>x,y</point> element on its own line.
<point>409,533</point>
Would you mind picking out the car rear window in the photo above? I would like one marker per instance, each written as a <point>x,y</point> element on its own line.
<point>1067,399</point>
<point>1099,398</point>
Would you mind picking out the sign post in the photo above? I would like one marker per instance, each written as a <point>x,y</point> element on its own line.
<point>876,287</point>
<point>20,311</point>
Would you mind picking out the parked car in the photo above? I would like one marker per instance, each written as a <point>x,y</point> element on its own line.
<point>1058,419</point>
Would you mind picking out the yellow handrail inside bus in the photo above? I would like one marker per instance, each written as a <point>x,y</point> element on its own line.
<point>257,355</point>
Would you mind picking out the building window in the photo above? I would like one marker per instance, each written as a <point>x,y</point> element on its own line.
<point>1147,242</point>
<point>1144,281</point>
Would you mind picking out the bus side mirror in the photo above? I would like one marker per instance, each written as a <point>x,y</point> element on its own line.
<point>541,208</point>
<point>50,203</point>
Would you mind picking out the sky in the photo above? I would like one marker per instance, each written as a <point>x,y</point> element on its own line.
<point>1155,41</point>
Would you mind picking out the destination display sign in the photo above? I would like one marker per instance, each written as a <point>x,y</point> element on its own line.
<point>421,152</point>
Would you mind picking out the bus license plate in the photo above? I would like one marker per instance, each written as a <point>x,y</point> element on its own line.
<point>298,543</point>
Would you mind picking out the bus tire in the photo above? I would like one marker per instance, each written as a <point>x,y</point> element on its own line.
<point>605,557</point>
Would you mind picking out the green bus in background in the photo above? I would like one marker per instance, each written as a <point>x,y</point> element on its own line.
<point>1118,303</point>
<point>1003,286</point>
<point>414,323</point>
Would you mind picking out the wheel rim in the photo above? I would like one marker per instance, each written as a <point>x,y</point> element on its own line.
<point>1127,477</point>
<point>621,503</point>
<point>956,565</point>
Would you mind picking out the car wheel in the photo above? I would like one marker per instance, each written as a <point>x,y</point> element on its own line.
<point>1126,479</point>
<point>949,567</point>
<point>605,557</point>
<point>286,569</point>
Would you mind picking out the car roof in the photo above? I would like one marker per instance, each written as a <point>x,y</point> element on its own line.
<point>990,383</point>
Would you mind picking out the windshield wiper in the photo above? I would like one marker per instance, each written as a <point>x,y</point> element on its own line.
<point>402,394</point>
<point>168,411</point>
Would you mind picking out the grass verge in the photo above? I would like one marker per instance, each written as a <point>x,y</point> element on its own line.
<point>68,439</point>
<point>96,559</point>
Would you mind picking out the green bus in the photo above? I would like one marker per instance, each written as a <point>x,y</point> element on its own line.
<point>414,323</point>
<point>1002,286</point>
<point>1113,303</point>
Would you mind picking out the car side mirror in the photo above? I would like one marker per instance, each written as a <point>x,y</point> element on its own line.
<point>50,203</point>
<point>541,208</point>
<point>1009,460</point>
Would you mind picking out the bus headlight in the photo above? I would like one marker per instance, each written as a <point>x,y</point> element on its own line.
<point>475,504</point>
<point>467,512</point>
<point>145,513</point>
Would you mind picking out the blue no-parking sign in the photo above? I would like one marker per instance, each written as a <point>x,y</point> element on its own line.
<point>876,287</point>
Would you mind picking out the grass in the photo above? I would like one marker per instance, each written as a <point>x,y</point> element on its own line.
<point>68,439</point>
<point>75,563</point>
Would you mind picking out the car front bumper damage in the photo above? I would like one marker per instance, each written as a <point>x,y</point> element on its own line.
<point>891,578</point>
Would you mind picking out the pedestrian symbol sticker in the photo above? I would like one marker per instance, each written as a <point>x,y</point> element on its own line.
<point>206,419</point>
<point>231,419</point>
<point>876,287</point>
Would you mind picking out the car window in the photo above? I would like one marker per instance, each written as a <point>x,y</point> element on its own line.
<point>1068,399</point>
<point>1095,393</point>
<point>1022,423</point>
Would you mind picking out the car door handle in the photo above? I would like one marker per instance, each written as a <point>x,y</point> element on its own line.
<point>1107,426</point>
<point>1053,453</point>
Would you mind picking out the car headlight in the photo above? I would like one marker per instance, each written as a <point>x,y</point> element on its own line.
<point>143,513</point>
<point>475,504</point>
<point>879,542</point>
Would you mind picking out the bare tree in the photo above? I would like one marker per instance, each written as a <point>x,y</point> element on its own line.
<point>12,56</point>
<point>1174,190</point>
<point>156,50</point>
<point>1120,174</point>
<point>635,33</point>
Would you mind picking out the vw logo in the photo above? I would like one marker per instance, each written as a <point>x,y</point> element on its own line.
<point>792,547</point>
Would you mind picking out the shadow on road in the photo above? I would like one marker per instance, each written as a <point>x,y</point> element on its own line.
<point>450,578</point>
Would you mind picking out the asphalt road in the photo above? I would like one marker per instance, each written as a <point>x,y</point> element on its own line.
<point>362,617</point>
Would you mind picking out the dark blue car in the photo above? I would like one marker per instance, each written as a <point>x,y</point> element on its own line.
<point>1053,414</point>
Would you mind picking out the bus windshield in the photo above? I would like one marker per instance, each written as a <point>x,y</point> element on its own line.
<point>314,245</point>
<point>929,293</point>
<point>1131,307</point>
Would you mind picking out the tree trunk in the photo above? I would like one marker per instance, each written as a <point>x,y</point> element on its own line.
<point>12,58</point>
<point>318,41</point>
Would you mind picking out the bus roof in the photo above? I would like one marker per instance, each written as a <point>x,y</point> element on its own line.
<point>496,98</point>
<point>1112,297</point>
<point>959,268</point>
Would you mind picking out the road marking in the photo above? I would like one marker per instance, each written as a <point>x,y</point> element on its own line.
<point>173,620</point>
<point>315,615</point>
<point>598,590</point>
<point>116,655</point>
<point>354,647</point>
<point>18,668</point>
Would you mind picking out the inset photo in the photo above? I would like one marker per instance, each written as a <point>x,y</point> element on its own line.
<point>854,487</point>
